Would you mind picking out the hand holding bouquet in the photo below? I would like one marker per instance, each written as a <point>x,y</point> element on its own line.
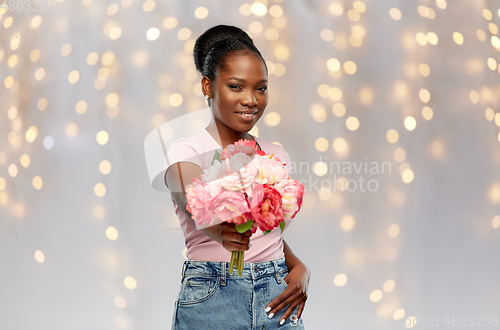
<point>247,187</point>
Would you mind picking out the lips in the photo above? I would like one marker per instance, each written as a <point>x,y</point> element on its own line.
<point>246,118</point>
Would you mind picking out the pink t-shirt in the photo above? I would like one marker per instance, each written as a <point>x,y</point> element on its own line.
<point>199,148</point>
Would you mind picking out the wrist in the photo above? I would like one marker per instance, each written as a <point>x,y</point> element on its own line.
<point>304,267</point>
<point>297,263</point>
<point>214,233</point>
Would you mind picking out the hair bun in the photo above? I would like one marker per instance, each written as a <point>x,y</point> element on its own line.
<point>213,47</point>
<point>206,41</point>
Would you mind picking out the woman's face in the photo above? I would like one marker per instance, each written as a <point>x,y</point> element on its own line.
<point>240,88</point>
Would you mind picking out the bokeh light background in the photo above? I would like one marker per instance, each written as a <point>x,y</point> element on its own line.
<point>87,243</point>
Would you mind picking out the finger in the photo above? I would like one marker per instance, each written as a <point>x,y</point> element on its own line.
<point>237,247</point>
<point>294,301</point>
<point>242,239</point>
<point>238,238</point>
<point>288,312</point>
<point>248,233</point>
<point>281,301</point>
<point>229,246</point>
<point>299,311</point>
<point>235,242</point>
<point>243,242</point>
<point>270,308</point>
<point>230,227</point>
<point>235,237</point>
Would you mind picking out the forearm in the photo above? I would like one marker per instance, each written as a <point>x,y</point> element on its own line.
<point>213,232</point>
<point>291,259</point>
<point>181,201</point>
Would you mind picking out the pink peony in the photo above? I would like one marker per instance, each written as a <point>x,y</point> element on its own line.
<point>245,142</point>
<point>229,205</point>
<point>300,187</point>
<point>261,153</point>
<point>266,207</point>
<point>240,164</point>
<point>291,193</point>
<point>198,201</point>
<point>241,219</point>
<point>270,170</point>
<point>246,147</point>
<point>214,172</point>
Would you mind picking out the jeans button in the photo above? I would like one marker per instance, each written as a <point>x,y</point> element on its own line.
<point>255,269</point>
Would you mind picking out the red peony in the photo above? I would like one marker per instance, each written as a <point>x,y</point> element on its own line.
<point>266,207</point>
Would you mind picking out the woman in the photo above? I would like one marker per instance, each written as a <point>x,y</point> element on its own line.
<point>272,291</point>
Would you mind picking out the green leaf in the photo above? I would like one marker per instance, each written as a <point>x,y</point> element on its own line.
<point>267,231</point>
<point>216,156</point>
<point>245,226</point>
<point>282,225</point>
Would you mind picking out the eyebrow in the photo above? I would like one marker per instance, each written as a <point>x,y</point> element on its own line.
<point>243,80</point>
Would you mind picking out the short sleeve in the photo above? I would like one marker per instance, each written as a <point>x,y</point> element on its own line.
<point>179,133</point>
<point>183,150</point>
<point>158,160</point>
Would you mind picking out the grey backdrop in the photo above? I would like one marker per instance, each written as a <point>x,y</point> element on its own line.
<point>444,262</point>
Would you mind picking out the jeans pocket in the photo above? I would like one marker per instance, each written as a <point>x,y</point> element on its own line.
<point>283,275</point>
<point>197,288</point>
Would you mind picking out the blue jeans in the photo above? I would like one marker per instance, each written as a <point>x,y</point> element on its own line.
<point>210,298</point>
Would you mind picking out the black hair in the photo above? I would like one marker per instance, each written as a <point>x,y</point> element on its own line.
<point>216,45</point>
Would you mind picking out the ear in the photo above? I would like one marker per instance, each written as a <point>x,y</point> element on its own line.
<point>206,87</point>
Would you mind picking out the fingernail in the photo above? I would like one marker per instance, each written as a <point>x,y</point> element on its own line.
<point>270,315</point>
<point>296,319</point>
<point>249,246</point>
<point>268,309</point>
<point>282,321</point>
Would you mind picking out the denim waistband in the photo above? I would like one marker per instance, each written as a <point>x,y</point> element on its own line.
<point>253,270</point>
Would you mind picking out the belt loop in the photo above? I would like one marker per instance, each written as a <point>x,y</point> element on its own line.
<point>223,271</point>
<point>183,270</point>
<point>276,270</point>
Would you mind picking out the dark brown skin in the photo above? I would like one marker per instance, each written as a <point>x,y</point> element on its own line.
<point>243,87</point>
<point>228,95</point>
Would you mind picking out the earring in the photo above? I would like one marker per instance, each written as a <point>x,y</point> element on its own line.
<point>206,97</point>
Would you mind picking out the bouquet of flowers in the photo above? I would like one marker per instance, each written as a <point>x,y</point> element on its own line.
<point>247,187</point>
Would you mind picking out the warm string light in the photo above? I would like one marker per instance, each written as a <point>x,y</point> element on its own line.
<point>334,95</point>
<point>488,95</point>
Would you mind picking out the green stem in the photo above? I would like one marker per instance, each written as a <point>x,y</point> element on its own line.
<point>240,268</point>
<point>233,262</point>
<point>237,261</point>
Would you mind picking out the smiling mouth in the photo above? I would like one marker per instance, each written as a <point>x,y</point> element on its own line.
<point>246,115</point>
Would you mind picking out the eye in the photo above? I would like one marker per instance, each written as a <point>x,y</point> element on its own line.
<point>263,88</point>
<point>234,86</point>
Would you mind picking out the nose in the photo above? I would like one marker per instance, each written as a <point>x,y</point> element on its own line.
<point>249,99</point>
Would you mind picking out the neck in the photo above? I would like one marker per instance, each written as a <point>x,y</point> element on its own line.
<point>224,135</point>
